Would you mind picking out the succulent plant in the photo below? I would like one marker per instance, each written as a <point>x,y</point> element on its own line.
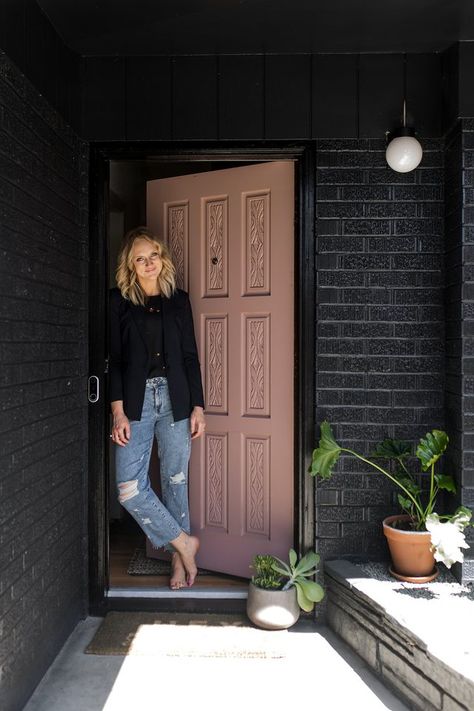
<point>266,577</point>
<point>272,572</point>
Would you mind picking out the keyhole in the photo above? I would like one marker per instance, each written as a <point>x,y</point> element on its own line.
<point>214,260</point>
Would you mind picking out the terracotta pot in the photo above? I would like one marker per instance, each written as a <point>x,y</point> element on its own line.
<point>272,609</point>
<point>410,551</point>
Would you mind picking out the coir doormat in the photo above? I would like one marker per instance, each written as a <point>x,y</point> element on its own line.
<point>185,635</point>
<point>140,564</point>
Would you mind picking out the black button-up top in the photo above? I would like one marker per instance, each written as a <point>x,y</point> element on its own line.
<point>154,336</point>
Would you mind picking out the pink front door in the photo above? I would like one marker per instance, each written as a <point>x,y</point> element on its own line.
<point>231,234</point>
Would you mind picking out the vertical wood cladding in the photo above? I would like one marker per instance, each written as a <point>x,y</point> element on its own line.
<point>105,117</point>
<point>380,76</point>
<point>288,96</point>
<point>43,355</point>
<point>424,104</point>
<point>194,103</point>
<point>241,101</point>
<point>270,96</point>
<point>148,114</point>
<point>335,85</point>
<point>380,323</point>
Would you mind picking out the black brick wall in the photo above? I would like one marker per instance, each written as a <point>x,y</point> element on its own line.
<point>467,366</point>
<point>43,413</point>
<point>380,324</point>
<point>460,313</point>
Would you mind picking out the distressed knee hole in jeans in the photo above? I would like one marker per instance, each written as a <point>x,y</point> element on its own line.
<point>178,478</point>
<point>128,489</point>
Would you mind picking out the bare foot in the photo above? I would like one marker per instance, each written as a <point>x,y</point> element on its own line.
<point>178,573</point>
<point>187,547</point>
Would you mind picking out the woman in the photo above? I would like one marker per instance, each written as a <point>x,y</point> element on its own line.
<point>155,390</point>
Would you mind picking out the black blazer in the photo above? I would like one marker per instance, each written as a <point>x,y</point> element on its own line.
<point>129,357</point>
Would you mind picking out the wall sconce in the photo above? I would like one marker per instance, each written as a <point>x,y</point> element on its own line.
<point>404,151</point>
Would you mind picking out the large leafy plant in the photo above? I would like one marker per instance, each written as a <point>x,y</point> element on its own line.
<point>271,573</point>
<point>418,502</point>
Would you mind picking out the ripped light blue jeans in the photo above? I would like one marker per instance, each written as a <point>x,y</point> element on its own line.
<point>161,521</point>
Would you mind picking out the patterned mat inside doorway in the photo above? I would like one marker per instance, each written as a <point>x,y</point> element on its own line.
<point>140,564</point>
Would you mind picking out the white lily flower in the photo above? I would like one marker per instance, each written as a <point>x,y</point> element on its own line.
<point>447,538</point>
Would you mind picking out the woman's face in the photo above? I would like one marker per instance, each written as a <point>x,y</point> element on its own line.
<point>146,261</point>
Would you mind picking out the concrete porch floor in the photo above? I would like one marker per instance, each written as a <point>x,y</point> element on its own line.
<point>319,670</point>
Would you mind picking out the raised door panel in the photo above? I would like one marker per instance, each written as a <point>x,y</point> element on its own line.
<point>215,229</point>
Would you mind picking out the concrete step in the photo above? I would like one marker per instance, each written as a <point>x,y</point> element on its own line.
<point>418,638</point>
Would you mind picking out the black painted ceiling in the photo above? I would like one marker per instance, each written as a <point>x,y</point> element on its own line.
<point>135,27</point>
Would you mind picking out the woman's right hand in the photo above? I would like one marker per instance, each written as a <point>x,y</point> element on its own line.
<point>121,429</point>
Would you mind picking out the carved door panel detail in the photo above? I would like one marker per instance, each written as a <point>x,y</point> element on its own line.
<point>257,462</point>
<point>215,383</point>
<point>215,233</point>
<point>256,208</point>
<point>257,365</point>
<point>231,234</point>
<point>176,230</point>
<point>216,480</point>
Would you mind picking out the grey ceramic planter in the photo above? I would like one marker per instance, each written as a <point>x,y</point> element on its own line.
<point>272,609</point>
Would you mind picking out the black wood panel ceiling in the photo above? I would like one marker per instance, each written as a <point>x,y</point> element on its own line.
<point>241,95</point>
<point>152,27</point>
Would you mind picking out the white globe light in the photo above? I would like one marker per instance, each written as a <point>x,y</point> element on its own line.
<point>403,154</point>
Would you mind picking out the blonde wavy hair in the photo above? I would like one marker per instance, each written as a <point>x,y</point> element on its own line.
<point>126,275</point>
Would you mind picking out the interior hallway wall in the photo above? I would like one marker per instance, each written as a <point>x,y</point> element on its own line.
<point>43,373</point>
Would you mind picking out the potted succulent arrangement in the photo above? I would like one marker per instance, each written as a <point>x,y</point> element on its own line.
<point>418,537</point>
<point>279,591</point>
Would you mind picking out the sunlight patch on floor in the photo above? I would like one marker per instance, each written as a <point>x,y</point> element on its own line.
<point>270,682</point>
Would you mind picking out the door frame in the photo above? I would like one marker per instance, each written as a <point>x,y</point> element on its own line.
<point>304,155</point>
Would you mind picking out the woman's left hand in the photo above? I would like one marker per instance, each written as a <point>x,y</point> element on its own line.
<point>197,422</point>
